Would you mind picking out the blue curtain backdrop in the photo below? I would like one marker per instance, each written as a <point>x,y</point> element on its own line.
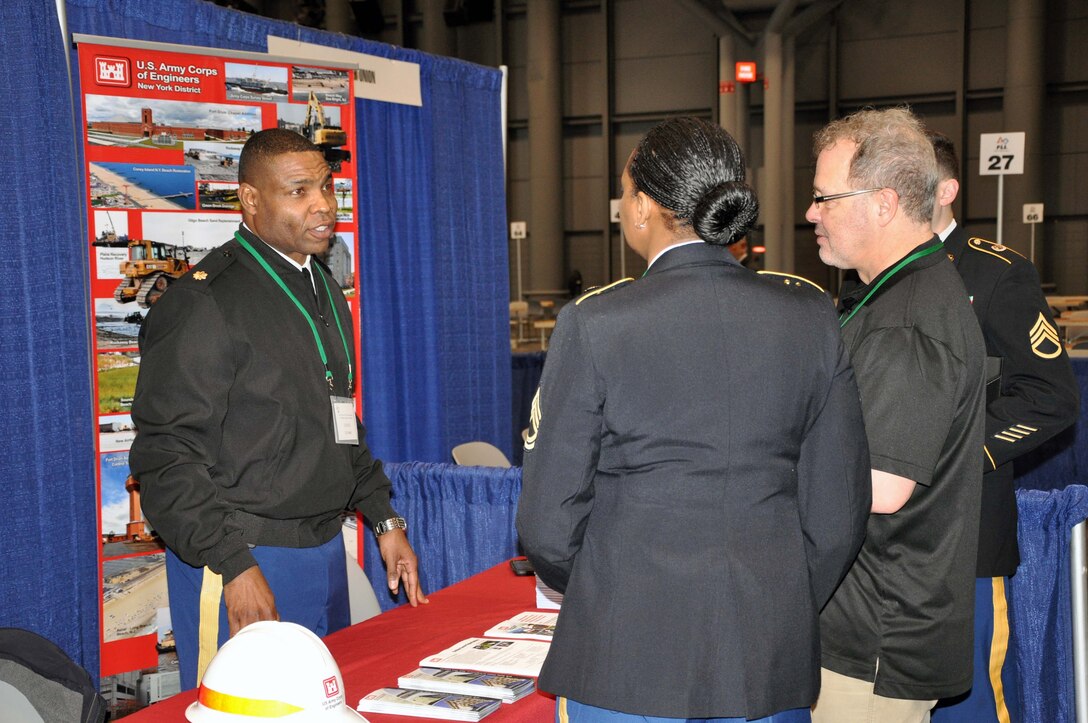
<point>466,524</point>
<point>1040,602</point>
<point>48,546</point>
<point>432,246</point>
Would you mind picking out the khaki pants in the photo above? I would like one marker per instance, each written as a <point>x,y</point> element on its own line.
<point>849,700</point>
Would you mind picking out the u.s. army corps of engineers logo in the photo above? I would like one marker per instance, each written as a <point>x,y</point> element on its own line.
<point>1045,342</point>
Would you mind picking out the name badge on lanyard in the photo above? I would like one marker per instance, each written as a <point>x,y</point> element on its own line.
<point>344,425</point>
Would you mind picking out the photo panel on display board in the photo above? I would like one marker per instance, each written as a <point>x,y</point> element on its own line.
<point>327,85</point>
<point>255,82</point>
<point>164,131</point>
<point>142,185</point>
<point>117,372</point>
<point>218,197</point>
<point>133,590</point>
<point>125,531</point>
<point>292,116</point>
<point>117,325</point>
<point>213,161</point>
<point>341,261</point>
<point>345,200</point>
<point>153,124</point>
<point>115,433</point>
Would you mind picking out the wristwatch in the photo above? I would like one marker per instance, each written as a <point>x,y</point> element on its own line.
<point>393,523</point>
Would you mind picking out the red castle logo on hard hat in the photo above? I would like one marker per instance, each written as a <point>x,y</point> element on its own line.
<point>332,688</point>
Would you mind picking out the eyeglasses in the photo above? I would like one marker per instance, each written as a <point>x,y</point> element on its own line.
<point>834,196</point>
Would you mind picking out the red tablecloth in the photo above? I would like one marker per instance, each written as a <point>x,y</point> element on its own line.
<point>375,652</point>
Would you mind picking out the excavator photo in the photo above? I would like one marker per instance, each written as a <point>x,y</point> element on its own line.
<point>327,137</point>
<point>149,271</point>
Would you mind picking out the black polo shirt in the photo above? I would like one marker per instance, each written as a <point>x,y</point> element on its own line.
<point>908,600</point>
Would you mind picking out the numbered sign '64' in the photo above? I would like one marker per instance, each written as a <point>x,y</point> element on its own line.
<point>1001,154</point>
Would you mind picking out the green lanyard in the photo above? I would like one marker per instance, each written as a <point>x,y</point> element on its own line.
<point>306,314</point>
<point>898,267</point>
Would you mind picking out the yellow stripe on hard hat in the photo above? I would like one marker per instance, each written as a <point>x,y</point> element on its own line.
<point>226,703</point>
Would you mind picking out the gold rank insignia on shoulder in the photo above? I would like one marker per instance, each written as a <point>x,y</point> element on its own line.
<point>200,275</point>
<point>601,289</point>
<point>1045,342</point>
<point>998,251</point>
<point>790,279</point>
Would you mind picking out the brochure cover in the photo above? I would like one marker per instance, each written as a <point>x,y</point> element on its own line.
<point>506,688</point>
<point>526,626</point>
<point>399,701</point>
<point>513,657</point>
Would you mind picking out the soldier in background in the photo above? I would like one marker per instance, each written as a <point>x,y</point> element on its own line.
<point>1031,396</point>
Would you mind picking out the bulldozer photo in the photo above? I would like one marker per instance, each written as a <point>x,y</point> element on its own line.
<point>149,271</point>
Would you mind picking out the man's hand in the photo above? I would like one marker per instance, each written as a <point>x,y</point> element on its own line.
<point>401,564</point>
<point>249,599</point>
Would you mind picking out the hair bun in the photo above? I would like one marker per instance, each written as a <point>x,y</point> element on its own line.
<point>725,213</point>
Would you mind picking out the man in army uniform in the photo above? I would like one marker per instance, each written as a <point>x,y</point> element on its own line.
<point>1034,398</point>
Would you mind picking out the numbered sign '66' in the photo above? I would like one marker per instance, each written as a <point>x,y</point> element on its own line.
<point>1001,154</point>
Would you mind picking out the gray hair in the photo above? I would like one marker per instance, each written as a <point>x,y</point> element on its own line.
<point>892,152</point>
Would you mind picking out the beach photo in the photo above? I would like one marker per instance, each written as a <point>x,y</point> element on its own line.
<point>133,589</point>
<point>330,86</point>
<point>141,185</point>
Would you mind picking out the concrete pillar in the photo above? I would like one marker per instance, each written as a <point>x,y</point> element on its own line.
<point>436,37</point>
<point>771,200</point>
<point>1025,94</point>
<point>789,235</point>
<point>546,218</point>
<point>728,86</point>
<point>733,107</point>
<point>339,18</point>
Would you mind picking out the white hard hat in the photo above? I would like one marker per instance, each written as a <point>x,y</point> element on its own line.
<point>272,670</point>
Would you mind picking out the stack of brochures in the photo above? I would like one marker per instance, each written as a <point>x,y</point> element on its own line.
<point>447,706</point>
<point>471,679</point>
<point>506,688</point>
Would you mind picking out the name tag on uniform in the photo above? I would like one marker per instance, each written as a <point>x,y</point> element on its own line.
<point>343,420</point>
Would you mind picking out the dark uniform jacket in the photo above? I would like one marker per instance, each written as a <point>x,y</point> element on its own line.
<point>234,441</point>
<point>1035,396</point>
<point>697,480</point>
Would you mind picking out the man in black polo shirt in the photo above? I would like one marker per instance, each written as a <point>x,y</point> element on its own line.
<point>896,635</point>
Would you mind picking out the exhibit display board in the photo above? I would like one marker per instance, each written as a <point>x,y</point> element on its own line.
<point>164,126</point>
